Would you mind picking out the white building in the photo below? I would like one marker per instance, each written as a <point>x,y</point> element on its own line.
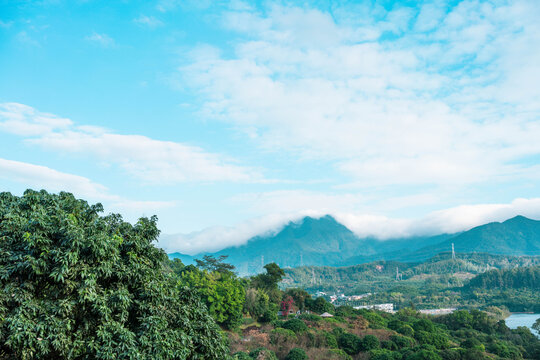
<point>381,307</point>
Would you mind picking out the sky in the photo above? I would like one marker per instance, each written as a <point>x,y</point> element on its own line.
<point>229,119</point>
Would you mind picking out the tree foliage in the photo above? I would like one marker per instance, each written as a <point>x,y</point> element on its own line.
<point>77,285</point>
<point>222,293</point>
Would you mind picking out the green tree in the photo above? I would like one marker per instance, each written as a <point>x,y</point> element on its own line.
<point>212,264</point>
<point>350,343</point>
<point>320,306</point>
<point>299,296</point>
<point>296,325</point>
<point>77,285</point>
<point>222,293</point>
<point>256,303</point>
<point>269,281</point>
<point>536,325</point>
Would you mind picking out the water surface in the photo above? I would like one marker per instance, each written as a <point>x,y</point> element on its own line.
<point>519,319</point>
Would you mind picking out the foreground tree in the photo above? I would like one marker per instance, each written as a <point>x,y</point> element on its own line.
<point>77,285</point>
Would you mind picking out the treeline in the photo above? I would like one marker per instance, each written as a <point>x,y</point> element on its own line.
<point>518,278</point>
<point>230,299</point>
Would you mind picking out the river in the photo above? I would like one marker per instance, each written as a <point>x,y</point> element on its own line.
<point>520,319</point>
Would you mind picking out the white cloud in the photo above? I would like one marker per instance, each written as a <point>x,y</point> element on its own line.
<point>151,160</point>
<point>149,21</point>
<point>449,221</point>
<point>453,99</point>
<point>103,40</point>
<point>24,120</point>
<point>219,237</point>
<point>42,177</point>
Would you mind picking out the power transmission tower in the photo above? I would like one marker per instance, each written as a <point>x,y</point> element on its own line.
<point>398,275</point>
<point>301,260</point>
<point>453,253</point>
<point>262,261</point>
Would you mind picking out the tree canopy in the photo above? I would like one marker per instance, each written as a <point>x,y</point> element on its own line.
<point>74,285</point>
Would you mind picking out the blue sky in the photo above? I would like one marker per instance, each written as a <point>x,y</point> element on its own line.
<point>226,119</point>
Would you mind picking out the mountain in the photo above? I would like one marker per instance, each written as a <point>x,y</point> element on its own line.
<point>325,242</point>
<point>515,236</point>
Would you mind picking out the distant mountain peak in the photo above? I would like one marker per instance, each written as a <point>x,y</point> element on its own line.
<point>518,219</point>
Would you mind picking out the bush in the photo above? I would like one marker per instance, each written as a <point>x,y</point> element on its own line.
<point>296,354</point>
<point>370,342</point>
<point>345,311</point>
<point>402,341</point>
<point>424,355</point>
<point>280,336</point>
<point>241,356</point>
<point>350,343</point>
<point>270,314</point>
<point>406,330</point>
<point>296,325</point>
<point>263,354</point>
<point>389,345</point>
<point>342,354</point>
<point>384,354</point>
<point>331,340</point>
<point>310,317</point>
<point>473,343</point>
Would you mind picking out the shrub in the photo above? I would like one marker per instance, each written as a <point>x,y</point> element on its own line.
<point>406,330</point>
<point>424,325</point>
<point>370,342</point>
<point>280,336</point>
<point>383,354</point>
<point>345,311</point>
<point>473,343</point>
<point>241,356</point>
<point>296,325</point>
<point>402,341</point>
<point>331,340</point>
<point>341,354</point>
<point>310,317</point>
<point>424,355</point>
<point>350,343</point>
<point>270,314</point>
<point>296,354</point>
<point>389,345</point>
<point>263,354</point>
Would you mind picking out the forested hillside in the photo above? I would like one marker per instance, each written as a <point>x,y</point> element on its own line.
<point>326,242</point>
<point>517,278</point>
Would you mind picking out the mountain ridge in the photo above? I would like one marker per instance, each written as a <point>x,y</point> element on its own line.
<point>326,242</point>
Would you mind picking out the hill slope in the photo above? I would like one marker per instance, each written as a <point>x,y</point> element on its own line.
<point>515,236</point>
<point>325,242</point>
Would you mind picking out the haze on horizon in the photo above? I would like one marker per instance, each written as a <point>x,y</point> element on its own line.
<point>228,120</point>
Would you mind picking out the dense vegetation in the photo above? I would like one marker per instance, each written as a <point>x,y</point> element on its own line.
<point>439,282</point>
<point>406,335</point>
<point>77,285</point>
